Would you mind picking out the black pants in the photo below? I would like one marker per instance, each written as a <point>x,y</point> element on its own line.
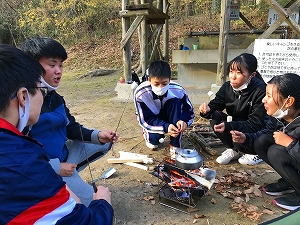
<point>277,157</point>
<point>226,138</point>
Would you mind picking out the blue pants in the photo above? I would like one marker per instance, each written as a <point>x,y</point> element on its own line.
<point>78,154</point>
<point>170,113</point>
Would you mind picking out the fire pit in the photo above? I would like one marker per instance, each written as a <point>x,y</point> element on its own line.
<point>184,187</point>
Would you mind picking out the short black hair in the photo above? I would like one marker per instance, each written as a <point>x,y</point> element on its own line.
<point>39,47</point>
<point>17,69</point>
<point>159,69</point>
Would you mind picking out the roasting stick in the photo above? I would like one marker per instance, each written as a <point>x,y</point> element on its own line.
<point>87,158</point>
<point>229,119</point>
<point>111,142</point>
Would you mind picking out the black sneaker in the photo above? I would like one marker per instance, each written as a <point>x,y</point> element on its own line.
<point>279,188</point>
<point>289,202</point>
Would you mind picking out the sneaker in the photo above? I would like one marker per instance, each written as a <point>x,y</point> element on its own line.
<point>279,188</point>
<point>289,202</point>
<point>174,151</point>
<point>151,146</point>
<point>227,156</point>
<point>249,159</point>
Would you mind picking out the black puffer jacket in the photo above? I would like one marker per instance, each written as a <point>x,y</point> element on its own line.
<point>245,107</point>
<point>292,129</point>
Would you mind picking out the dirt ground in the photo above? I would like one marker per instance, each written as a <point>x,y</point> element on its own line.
<point>94,100</point>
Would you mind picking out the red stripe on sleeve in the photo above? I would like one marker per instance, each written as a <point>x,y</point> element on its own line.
<point>34,213</point>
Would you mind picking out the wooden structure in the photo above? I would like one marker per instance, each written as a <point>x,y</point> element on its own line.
<point>146,16</point>
<point>284,15</point>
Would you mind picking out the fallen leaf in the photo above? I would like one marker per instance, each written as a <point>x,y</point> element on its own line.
<point>192,209</point>
<point>198,216</point>
<point>267,211</point>
<point>247,198</point>
<point>213,201</point>
<point>238,200</point>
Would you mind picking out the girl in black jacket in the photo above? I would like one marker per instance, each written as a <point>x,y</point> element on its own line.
<point>241,97</point>
<point>278,143</point>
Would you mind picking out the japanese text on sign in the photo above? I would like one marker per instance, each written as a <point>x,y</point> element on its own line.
<point>234,11</point>
<point>273,16</point>
<point>277,56</point>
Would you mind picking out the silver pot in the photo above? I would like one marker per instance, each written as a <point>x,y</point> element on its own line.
<point>188,159</point>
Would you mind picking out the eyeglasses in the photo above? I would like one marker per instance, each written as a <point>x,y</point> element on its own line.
<point>44,91</point>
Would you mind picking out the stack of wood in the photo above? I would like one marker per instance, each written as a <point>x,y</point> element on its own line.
<point>202,137</point>
<point>133,159</point>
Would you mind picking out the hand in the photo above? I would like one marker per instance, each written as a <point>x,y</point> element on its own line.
<point>102,193</point>
<point>219,128</point>
<point>204,108</point>
<point>106,136</point>
<point>181,126</point>
<point>173,131</point>
<point>67,169</point>
<point>282,139</point>
<point>238,137</point>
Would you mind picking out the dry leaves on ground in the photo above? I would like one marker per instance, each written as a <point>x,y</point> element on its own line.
<point>237,185</point>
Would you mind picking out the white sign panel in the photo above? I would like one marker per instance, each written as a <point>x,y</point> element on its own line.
<point>273,16</point>
<point>234,11</point>
<point>277,56</point>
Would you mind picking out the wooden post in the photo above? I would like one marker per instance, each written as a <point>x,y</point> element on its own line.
<point>294,5</point>
<point>126,49</point>
<point>144,40</point>
<point>284,14</point>
<point>223,41</point>
<point>166,32</point>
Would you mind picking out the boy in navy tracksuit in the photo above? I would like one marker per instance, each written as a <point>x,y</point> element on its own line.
<point>68,144</point>
<point>162,107</point>
<point>30,191</point>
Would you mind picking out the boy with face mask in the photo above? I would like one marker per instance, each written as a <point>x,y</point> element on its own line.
<point>69,145</point>
<point>31,192</point>
<point>163,107</point>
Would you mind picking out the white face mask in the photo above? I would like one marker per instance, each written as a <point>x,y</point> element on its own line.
<point>160,91</point>
<point>45,84</point>
<point>24,114</point>
<point>244,86</point>
<point>279,114</point>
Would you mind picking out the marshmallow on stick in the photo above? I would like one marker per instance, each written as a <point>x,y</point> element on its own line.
<point>229,118</point>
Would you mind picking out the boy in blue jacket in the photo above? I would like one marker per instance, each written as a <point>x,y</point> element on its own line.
<point>30,191</point>
<point>163,107</point>
<point>69,145</point>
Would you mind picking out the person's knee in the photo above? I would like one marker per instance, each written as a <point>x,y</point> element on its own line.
<point>276,154</point>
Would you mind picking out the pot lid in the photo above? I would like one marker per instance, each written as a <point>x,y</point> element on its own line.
<point>188,153</point>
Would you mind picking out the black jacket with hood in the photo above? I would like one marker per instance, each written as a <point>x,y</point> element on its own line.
<point>245,106</point>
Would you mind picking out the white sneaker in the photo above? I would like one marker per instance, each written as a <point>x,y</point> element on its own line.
<point>249,159</point>
<point>151,146</point>
<point>228,155</point>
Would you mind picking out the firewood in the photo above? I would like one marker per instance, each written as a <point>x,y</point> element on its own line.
<point>198,141</point>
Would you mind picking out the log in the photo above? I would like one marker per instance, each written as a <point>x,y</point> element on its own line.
<point>199,143</point>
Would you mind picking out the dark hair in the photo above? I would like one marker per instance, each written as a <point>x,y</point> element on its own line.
<point>159,69</point>
<point>287,85</point>
<point>17,69</point>
<point>39,47</point>
<point>247,61</point>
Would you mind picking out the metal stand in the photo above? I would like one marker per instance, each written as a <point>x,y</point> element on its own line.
<point>183,196</point>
